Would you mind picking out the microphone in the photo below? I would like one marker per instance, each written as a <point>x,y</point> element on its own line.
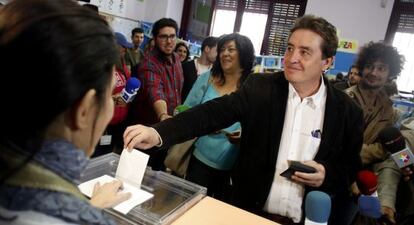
<point>369,206</point>
<point>130,91</point>
<point>368,203</point>
<point>394,143</point>
<point>317,208</point>
<point>367,183</point>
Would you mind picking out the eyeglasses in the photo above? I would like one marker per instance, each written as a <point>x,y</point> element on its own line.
<point>165,37</point>
<point>379,67</point>
<point>353,73</point>
<point>231,50</point>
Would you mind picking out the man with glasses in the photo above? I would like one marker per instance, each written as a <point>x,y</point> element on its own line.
<point>161,76</point>
<point>379,64</point>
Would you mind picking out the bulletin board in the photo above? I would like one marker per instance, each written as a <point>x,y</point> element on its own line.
<point>122,25</point>
<point>112,7</point>
<point>114,12</point>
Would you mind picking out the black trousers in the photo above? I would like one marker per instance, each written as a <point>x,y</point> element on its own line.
<point>157,157</point>
<point>216,181</point>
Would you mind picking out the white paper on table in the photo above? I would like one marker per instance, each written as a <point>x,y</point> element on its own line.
<point>130,171</point>
<point>138,196</point>
<point>131,167</point>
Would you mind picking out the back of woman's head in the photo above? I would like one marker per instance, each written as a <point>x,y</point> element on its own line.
<point>246,54</point>
<point>52,52</point>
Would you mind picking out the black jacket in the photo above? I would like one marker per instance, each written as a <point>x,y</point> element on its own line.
<point>260,106</point>
<point>190,76</point>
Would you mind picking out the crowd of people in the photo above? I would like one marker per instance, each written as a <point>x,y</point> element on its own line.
<point>249,126</point>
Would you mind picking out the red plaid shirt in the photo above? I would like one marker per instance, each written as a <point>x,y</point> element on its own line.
<point>161,79</point>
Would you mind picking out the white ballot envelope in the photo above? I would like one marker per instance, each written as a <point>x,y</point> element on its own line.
<point>130,171</point>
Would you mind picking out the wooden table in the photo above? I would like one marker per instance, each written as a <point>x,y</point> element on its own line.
<point>210,211</point>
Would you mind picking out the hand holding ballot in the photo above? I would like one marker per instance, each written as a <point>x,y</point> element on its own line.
<point>141,137</point>
<point>108,195</point>
<point>122,192</point>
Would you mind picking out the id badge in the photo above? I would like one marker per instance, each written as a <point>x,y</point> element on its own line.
<point>105,140</point>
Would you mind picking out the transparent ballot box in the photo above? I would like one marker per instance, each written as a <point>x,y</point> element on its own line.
<point>172,195</point>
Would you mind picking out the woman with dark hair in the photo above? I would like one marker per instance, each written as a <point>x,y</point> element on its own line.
<point>182,50</point>
<point>67,90</point>
<point>149,46</point>
<point>214,155</point>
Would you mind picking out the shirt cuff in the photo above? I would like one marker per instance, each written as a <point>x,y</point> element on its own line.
<point>159,137</point>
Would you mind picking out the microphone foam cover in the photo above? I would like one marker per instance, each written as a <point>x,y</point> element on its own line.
<point>369,206</point>
<point>132,85</point>
<point>391,139</point>
<point>318,206</point>
<point>367,182</point>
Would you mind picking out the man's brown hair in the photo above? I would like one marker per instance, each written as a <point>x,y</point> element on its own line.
<point>322,27</point>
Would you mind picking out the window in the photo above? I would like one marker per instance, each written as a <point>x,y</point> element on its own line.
<point>404,42</point>
<point>254,20</point>
<point>400,33</point>
<point>265,22</point>
<point>254,30</point>
<point>224,17</point>
<point>281,20</point>
<point>223,22</point>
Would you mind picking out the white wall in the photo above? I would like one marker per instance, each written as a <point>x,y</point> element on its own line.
<point>361,20</point>
<point>175,10</point>
<point>157,9</point>
<point>135,9</point>
<point>145,10</point>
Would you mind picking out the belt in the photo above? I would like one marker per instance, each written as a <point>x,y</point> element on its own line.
<point>278,218</point>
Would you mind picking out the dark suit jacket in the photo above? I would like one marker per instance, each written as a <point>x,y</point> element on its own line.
<point>342,85</point>
<point>260,106</point>
<point>190,76</point>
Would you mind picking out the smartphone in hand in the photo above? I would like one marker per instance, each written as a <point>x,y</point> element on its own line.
<point>297,166</point>
<point>234,133</point>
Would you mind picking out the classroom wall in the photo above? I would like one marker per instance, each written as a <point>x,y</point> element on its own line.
<point>143,10</point>
<point>364,20</point>
<point>361,20</point>
<point>175,10</point>
<point>155,10</point>
<point>357,21</point>
<point>135,9</point>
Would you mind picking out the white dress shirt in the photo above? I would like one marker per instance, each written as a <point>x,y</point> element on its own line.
<point>302,118</point>
<point>201,68</point>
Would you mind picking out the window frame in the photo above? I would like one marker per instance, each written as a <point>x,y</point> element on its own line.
<point>241,8</point>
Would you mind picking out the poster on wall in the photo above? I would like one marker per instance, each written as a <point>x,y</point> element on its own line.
<point>203,12</point>
<point>114,7</point>
<point>349,46</point>
<point>114,13</point>
<point>122,25</point>
<point>199,20</point>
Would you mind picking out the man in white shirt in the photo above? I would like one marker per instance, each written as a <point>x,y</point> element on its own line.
<point>192,69</point>
<point>291,115</point>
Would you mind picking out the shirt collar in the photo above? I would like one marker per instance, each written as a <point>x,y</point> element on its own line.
<point>315,100</point>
